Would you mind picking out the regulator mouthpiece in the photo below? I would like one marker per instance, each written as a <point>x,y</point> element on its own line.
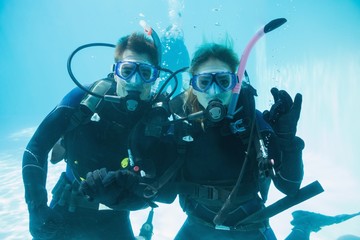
<point>215,111</point>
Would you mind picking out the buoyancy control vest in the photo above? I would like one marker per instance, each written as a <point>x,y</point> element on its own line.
<point>240,126</point>
<point>98,134</point>
<point>103,134</point>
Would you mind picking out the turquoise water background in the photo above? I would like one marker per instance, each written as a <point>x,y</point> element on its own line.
<point>315,53</point>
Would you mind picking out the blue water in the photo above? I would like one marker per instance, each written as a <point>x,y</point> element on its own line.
<point>316,53</point>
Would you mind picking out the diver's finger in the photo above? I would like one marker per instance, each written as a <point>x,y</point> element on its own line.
<point>97,178</point>
<point>109,178</point>
<point>102,173</point>
<point>275,92</point>
<point>90,179</point>
<point>284,96</point>
<point>266,115</point>
<point>286,100</point>
<point>297,105</point>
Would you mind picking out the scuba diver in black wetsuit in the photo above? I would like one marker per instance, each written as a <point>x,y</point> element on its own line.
<point>97,136</point>
<point>232,158</point>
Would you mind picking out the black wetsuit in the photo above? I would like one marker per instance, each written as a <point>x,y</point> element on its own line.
<point>213,161</point>
<point>90,144</point>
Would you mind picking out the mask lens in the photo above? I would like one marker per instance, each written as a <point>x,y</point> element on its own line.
<point>224,80</point>
<point>148,73</point>
<point>125,70</point>
<point>202,82</point>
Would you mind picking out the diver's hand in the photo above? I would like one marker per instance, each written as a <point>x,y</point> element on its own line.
<point>284,113</point>
<point>110,187</point>
<point>45,223</point>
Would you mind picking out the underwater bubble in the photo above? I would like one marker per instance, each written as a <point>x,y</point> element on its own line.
<point>172,13</point>
<point>145,25</point>
<point>158,24</point>
<point>174,32</point>
<point>217,24</point>
<point>141,15</point>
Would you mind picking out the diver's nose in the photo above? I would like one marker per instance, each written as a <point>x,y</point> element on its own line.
<point>135,79</point>
<point>214,89</point>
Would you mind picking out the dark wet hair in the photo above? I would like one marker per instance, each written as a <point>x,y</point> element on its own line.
<point>138,43</point>
<point>214,51</point>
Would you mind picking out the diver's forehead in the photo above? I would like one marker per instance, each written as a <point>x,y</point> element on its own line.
<point>213,65</point>
<point>132,56</point>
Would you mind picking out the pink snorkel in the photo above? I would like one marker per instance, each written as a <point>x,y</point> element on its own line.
<point>228,205</point>
<point>241,69</point>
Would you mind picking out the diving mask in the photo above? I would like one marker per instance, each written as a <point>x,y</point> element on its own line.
<point>224,80</point>
<point>126,70</point>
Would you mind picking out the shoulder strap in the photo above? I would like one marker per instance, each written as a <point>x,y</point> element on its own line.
<point>100,87</point>
<point>83,112</point>
<point>90,104</point>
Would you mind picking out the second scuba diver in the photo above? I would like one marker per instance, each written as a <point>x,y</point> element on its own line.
<point>232,158</point>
